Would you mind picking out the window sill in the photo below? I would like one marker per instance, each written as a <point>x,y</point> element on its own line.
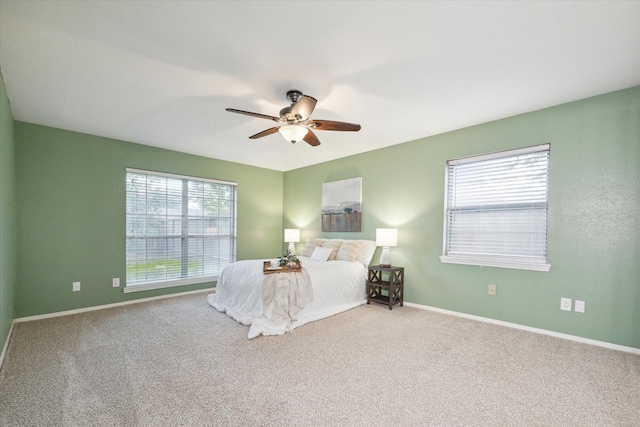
<point>172,284</point>
<point>500,262</point>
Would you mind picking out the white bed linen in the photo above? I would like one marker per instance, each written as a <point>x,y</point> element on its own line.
<point>285,295</point>
<point>337,286</point>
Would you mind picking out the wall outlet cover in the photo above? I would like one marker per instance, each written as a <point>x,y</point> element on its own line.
<point>116,282</point>
<point>76,286</point>
<point>579,306</point>
<point>492,289</point>
<point>565,304</point>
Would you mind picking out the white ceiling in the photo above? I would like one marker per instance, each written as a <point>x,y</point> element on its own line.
<point>162,73</point>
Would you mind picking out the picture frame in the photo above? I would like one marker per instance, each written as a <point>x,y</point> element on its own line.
<point>342,205</point>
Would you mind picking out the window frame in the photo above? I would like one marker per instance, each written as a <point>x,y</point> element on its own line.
<point>184,235</point>
<point>495,260</point>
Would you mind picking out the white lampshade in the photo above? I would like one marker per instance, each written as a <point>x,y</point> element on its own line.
<point>291,236</point>
<point>386,237</point>
<point>293,133</point>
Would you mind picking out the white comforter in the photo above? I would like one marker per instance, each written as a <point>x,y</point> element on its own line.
<point>337,286</point>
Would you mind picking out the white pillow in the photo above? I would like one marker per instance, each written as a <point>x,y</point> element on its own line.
<point>310,246</point>
<point>321,254</point>
<point>366,252</point>
<point>348,251</point>
<point>364,255</point>
<point>334,244</point>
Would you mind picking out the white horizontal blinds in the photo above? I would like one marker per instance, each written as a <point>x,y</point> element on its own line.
<point>154,228</point>
<point>211,227</point>
<point>497,204</point>
<point>178,227</point>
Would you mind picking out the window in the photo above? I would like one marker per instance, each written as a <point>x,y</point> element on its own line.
<point>496,209</point>
<point>180,230</point>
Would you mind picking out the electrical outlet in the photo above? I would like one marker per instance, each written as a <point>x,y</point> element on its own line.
<point>579,306</point>
<point>76,286</point>
<point>116,282</point>
<point>492,289</point>
<point>565,304</point>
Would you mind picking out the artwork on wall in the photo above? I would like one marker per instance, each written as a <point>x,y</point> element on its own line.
<point>342,205</point>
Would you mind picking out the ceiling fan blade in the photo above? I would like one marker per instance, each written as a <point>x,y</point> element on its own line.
<point>304,107</point>
<point>311,139</point>
<point>265,133</point>
<point>249,113</point>
<point>331,125</point>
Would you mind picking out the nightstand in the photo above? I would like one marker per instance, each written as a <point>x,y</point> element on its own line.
<point>389,280</point>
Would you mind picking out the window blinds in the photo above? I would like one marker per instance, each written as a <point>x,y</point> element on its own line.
<point>178,228</point>
<point>497,205</point>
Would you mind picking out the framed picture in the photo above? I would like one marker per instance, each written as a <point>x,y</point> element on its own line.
<point>342,205</point>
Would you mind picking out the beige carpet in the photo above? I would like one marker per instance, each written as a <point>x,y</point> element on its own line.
<point>178,362</point>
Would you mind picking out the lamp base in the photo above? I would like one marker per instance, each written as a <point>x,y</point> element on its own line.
<point>385,257</point>
<point>292,248</point>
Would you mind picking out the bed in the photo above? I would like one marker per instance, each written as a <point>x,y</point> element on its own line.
<point>333,277</point>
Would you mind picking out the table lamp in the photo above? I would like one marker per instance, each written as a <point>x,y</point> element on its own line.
<point>386,237</point>
<point>291,236</point>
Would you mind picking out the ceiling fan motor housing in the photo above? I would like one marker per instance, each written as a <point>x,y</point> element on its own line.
<point>285,113</point>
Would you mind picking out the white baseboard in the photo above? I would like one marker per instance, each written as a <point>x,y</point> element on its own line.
<point>6,344</point>
<point>529,329</point>
<point>105,306</point>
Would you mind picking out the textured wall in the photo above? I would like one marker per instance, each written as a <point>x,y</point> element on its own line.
<point>71,214</point>
<point>594,217</point>
<point>7,215</point>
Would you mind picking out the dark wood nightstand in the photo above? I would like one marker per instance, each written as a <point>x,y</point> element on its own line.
<point>389,280</point>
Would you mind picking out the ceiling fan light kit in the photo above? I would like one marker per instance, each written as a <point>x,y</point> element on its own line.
<point>293,133</point>
<point>294,122</point>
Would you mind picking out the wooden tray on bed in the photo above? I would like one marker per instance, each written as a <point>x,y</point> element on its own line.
<point>267,269</point>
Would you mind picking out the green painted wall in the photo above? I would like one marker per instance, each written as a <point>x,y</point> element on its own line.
<point>594,217</point>
<point>7,216</point>
<point>71,214</point>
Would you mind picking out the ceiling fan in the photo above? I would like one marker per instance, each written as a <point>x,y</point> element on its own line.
<point>294,122</point>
